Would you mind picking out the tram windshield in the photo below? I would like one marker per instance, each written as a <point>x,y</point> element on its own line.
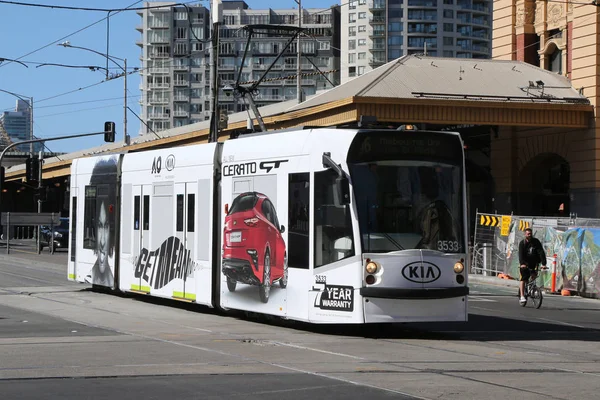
<point>408,188</point>
<point>408,205</point>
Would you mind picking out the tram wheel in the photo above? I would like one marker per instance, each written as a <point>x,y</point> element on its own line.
<point>265,287</point>
<point>284,279</point>
<point>231,284</point>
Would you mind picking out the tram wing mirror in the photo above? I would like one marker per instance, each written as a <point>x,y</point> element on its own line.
<point>226,208</point>
<point>342,187</point>
<point>341,194</point>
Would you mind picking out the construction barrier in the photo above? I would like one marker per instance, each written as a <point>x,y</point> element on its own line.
<point>572,248</point>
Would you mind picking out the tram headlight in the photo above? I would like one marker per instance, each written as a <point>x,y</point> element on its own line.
<point>371,267</point>
<point>459,267</point>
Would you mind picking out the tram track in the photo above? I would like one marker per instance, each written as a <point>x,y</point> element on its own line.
<point>145,337</point>
<point>359,376</point>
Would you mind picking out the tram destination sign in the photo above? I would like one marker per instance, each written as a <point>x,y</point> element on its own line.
<point>374,145</point>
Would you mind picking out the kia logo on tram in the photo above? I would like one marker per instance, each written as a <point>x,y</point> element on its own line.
<point>421,272</point>
<point>170,164</point>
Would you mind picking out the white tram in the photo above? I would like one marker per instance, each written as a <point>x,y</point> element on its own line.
<point>321,225</point>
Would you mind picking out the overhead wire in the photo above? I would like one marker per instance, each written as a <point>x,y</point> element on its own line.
<point>57,7</point>
<point>191,53</point>
<point>79,110</point>
<point>117,11</point>
<point>69,35</point>
<point>141,69</point>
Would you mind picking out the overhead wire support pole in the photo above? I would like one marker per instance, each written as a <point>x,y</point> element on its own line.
<point>31,126</point>
<point>126,139</point>
<point>298,56</point>
<point>2,59</point>
<point>125,135</point>
<point>41,166</point>
<point>107,38</point>
<point>213,133</point>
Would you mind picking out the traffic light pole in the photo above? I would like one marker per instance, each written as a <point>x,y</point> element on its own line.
<point>10,146</point>
<point>51,240</point>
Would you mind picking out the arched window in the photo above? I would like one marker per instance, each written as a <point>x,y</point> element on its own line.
<point>555,61</point>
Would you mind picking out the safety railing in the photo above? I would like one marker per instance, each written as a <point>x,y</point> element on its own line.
<point>572,243</point>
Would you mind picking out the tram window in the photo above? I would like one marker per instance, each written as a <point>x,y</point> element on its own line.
<point>179,213</point>
<point>333,224</point>
<point>89,218</point>
<point>298,220</point>
<point>136,213</point>
<point>190,212</point>
<point>74,228</point>
<point>146,212</point>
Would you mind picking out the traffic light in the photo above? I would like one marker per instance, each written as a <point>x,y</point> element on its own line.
<point>32,169</point>
<point>1,178</point>
<point>109,131</point>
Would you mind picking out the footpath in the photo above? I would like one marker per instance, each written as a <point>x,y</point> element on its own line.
<point>492,280</point>
<point>23,252</point>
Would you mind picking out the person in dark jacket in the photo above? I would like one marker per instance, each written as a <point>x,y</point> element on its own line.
<point>531,253</point>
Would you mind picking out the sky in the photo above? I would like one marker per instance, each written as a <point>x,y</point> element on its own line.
<point>70,101</point>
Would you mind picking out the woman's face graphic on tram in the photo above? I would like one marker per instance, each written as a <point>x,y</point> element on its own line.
<point>103,238</point>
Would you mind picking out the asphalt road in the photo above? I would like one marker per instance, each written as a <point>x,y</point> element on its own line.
<point>61,340</point>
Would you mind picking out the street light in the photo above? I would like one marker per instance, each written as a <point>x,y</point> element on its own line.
<point>30,101</point>
<point>124,68</point>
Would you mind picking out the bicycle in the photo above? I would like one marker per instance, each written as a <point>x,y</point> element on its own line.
<point>534,291</point>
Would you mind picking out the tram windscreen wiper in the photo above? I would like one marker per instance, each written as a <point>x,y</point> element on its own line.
<point>391,239</point>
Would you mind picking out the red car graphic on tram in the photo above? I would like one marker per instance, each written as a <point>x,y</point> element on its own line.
<point>254,251</point>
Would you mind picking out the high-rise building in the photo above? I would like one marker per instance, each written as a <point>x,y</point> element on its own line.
<point>175,65</point>
<point>176,75</point>
<point>17,125</point>
<point>377,31</point>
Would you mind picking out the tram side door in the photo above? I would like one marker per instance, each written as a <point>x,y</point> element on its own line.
<point>141,230</point>
<point>185,232</point>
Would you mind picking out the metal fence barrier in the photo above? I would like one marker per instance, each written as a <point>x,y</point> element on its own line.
<point>574,243</point>
<point>21,232</point>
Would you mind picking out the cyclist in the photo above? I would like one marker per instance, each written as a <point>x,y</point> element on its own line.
<point>531,253</point>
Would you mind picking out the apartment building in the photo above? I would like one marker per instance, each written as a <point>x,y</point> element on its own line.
<point>377,31</point>
<point>176,71</point>
<point>175,64</point>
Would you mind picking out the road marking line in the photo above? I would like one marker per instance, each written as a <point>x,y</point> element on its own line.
<point>562,323</point>
<point>481,298</point>
<point>317,350</point>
